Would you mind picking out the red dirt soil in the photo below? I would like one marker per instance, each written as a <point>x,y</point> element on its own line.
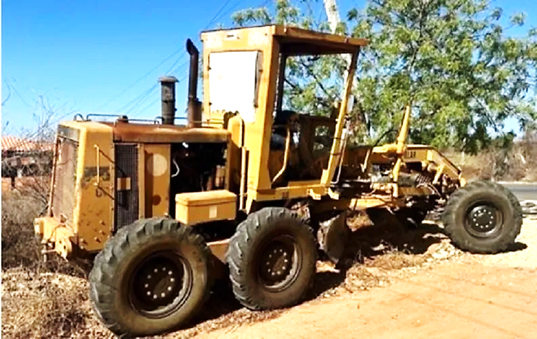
<point>452,300</point>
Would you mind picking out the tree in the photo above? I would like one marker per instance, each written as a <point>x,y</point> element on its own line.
<point>452,59</point>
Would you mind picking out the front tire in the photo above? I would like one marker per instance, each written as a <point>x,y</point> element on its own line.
<point>150,278</point>
<point>272,259</point>
<point>483,217</point>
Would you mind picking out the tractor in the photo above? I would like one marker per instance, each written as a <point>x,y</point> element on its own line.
<point>244,188</point>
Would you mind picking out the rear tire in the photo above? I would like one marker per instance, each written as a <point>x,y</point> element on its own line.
<point>272,259</point>
<point>150,278</point>
<point>483,217</point>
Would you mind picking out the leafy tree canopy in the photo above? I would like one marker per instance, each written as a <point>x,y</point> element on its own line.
<point>452,59</point>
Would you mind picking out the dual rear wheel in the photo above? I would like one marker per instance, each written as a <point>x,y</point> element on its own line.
<point>153,276</point>
<point>272,259</point>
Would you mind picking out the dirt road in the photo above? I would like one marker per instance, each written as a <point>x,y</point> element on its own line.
<point>450,301</point>
<point>468,297</point>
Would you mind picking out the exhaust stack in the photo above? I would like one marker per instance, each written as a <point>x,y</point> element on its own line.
<point>168,99</point>
<point>194,105</point>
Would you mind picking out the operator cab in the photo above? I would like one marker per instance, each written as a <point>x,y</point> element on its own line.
<point>269,76</point>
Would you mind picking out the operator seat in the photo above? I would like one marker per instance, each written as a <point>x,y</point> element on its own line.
<point>279,131</point>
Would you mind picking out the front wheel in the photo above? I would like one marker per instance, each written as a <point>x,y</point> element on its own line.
<point>483,217</point>
<point>150,278</point>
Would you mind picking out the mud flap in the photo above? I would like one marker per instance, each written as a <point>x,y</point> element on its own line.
<point>333,235</point>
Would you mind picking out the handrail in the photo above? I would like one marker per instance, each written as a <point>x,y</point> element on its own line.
<point>285,156</point>
<point>102,115</point>
<point>242,187</point>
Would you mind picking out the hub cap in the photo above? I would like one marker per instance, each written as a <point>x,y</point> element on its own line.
<point>483,220</point>
<point>160,285</point>
<point>279,263</point>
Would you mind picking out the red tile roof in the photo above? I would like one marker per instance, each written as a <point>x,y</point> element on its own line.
<point>16,144</point>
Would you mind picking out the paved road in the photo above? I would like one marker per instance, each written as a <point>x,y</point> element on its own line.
<point>523,191</point>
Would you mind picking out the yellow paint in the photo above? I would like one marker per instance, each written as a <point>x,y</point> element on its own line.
<point>93,225</point>
<point>198,207</point>
<point>156,183</point>
<point>336,153</point>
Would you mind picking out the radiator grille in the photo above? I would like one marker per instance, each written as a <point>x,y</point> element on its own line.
<point>63,200</point>
<point>126,201</point>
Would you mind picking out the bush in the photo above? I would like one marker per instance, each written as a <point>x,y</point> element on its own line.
<point>39,299</point>
<point>46,305</point>
<point>19,246</point>
<point>517,162</point>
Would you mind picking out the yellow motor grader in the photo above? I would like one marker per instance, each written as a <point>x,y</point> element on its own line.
<point>244,186</point>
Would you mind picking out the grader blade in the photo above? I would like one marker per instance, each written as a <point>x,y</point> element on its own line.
<point>333,235</point>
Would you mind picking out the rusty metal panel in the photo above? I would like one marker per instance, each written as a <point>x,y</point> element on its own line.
<point>69,132</point>
<point>63,200</point>
<point>160,134</point>
<point>126,201</point>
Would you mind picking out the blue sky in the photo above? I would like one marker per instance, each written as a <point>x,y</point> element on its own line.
<point>106,55</point>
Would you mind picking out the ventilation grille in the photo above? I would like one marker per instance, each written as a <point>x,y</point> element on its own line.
<point>126,201</point>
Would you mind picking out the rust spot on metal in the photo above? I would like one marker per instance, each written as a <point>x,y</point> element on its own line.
<point>156,199</point>
<point>154,133</point>
<point>90,173</point>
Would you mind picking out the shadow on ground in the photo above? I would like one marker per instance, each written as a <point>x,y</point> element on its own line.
<point>365,244</point>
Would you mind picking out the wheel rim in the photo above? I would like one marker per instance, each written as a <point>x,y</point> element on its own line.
<point>160,284</point>
<point>279,263</point>
<point>483,220</point>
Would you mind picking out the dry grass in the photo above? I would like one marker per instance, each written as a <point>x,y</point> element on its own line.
<point>46,305</point>
<point>516,163</point>
<point>19,247</point>
<point>39,299</point>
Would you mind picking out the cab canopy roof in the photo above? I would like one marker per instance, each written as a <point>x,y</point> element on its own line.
<point>298,41</point>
